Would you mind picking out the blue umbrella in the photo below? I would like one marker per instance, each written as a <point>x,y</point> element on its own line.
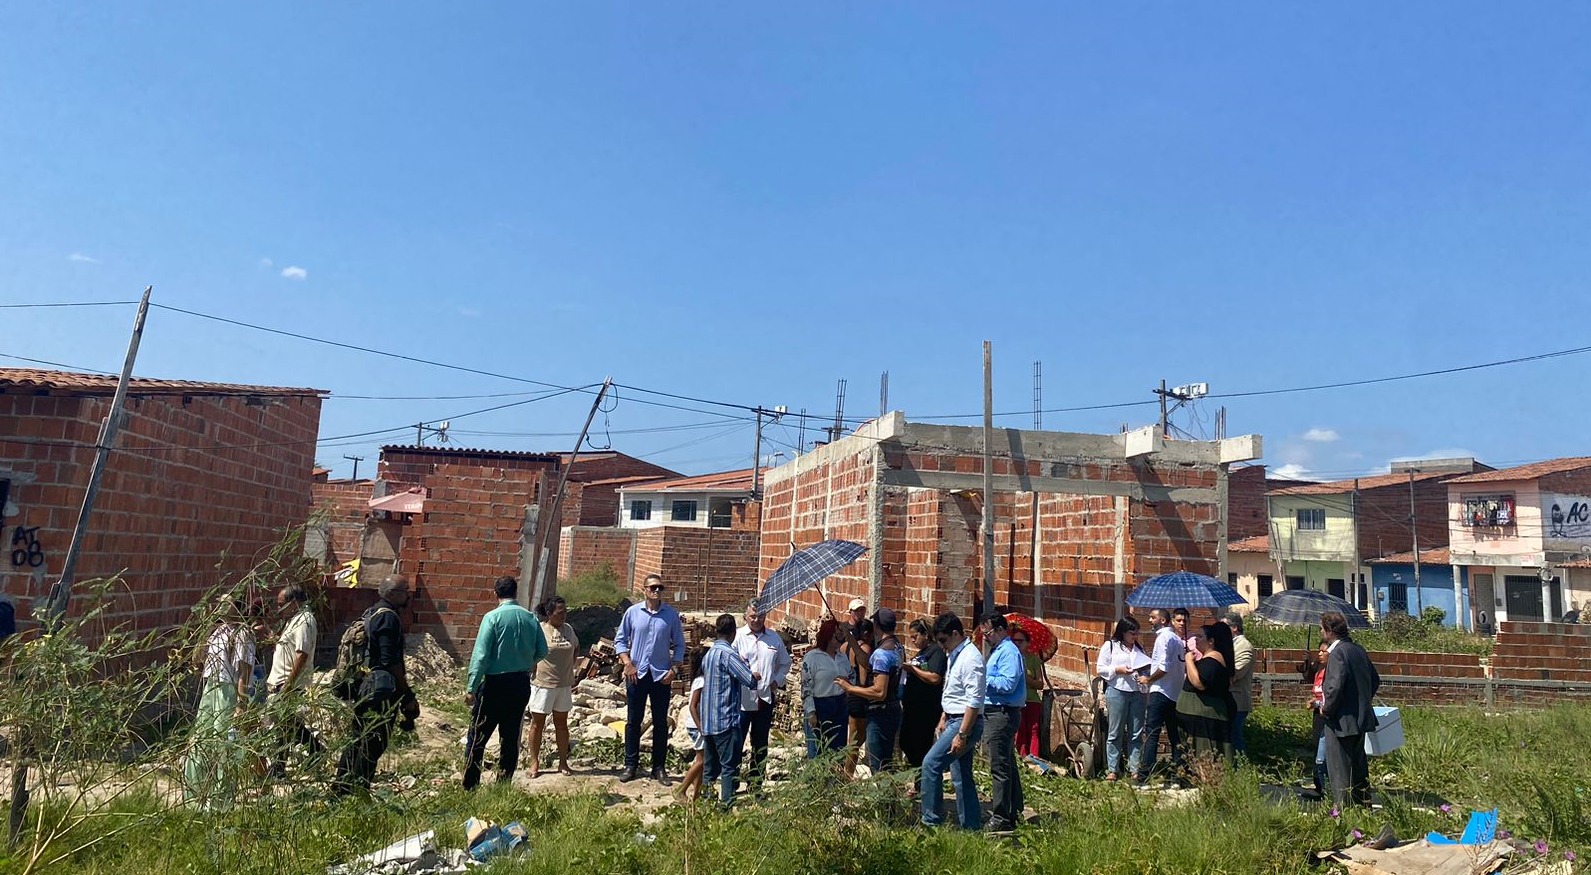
<point>1303,607</point>
<point>1183,589</point>
<point>804,569</point>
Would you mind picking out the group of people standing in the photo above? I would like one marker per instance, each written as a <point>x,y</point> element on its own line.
<point>1196,686</point>
<point>1199,689</point>
<point>232,692</point>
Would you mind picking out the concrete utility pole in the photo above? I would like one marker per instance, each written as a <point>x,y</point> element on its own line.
<point>1163,421</point>
<point>1414,532</point>
<point>356,460</point>
<point>988,477</point>
<point>61,593</point>
<point>554,518</point>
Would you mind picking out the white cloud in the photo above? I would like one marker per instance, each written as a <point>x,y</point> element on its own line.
<point>1322,435</point>
<point>80,257</point>
<point>294,273</point>
<point>265,263</point>
<point>1291,472</point>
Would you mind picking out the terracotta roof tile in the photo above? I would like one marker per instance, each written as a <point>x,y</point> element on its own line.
<point>1528,472</point>
<point>1434,556</point>
<point>33,380</point>
<point>1377,482</point>
<point>1256,544</point>
<point>723,481</point>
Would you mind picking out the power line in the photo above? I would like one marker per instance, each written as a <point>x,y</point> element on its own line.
<point>66,304</point>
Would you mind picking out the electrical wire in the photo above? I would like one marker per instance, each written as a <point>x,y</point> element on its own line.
<point>56,304</point>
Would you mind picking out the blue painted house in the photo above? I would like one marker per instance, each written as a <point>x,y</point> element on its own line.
<point>1392,584</point>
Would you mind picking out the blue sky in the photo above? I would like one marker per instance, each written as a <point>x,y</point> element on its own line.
<point>746,202</point>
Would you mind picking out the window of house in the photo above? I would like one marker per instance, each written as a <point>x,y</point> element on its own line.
<point>641,509</point>
<point>683,512</point>
<point>1488,511</point>
<point>1295,582</point>
<point>1267,585</point>
<point>1337,586</point>
<point>720,513</point>
<point>1312,519</point>
<point>1397,597</point>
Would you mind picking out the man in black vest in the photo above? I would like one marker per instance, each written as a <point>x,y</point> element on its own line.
<point>1350,683</point>
<point>384,694</point>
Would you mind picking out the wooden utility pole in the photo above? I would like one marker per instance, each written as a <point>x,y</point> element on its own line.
<point>988,477</point>
<point>1164,423</point>
<point>61,592</point>
<point>552,521</point>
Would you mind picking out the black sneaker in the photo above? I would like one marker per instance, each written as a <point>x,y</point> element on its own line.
<point>628,776</point>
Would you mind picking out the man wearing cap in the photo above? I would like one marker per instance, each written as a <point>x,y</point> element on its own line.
<point>1005,692</point>
<point>651,645</point>
<point>764,651</point>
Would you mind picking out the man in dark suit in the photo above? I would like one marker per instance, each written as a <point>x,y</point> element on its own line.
<point>1350,683</point>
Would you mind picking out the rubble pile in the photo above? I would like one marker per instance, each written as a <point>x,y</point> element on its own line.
<point>426,661</point>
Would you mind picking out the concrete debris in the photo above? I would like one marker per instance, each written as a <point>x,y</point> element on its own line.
<point>426,661</point>
<point>414,855</point>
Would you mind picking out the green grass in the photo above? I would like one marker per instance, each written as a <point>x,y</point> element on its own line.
<point>1531,765</point>
<point>596,587</point>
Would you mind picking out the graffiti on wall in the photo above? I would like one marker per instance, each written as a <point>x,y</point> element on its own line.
<point>26,551</point>
<point>1568,519</point>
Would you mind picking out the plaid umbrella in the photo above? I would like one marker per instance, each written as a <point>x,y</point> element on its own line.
<point>1183,589</point>
<point>804,569</point>
<point>1303,607</point>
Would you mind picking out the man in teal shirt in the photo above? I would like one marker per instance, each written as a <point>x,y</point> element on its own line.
<point>507,648</point>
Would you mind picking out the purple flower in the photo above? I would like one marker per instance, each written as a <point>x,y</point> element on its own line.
<point>1504,834</point>
<point>1570,856</point>
<point>1446,808</point>
<point>1336,813</point>
<point>1541,847</point>
<point>1358,835</point>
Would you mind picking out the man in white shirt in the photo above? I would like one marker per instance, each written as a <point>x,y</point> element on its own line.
<point>764,651</point>
<point>960,727</point>
<point>292,668</point>
<point>1166,674</point>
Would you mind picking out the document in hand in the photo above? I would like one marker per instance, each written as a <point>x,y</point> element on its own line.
<point>1140,661</point>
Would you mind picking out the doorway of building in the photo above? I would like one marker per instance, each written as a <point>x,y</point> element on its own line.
<point>1522,596</point>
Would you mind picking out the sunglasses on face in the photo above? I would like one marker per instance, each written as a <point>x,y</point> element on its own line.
<point>654,589</point>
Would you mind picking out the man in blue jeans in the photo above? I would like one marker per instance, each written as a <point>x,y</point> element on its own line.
<point>724,675</point>
<point>960,728</point>
<point>651,645</point>
<point>1166,673</point>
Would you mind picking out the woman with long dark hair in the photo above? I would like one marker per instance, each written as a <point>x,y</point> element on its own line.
<point>925,680</point>
<point>1205,707</point>
<point>1121,662</point>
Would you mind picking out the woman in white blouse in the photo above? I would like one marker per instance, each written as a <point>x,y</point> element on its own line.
<point>822,700</point>
<point>1121,661</point>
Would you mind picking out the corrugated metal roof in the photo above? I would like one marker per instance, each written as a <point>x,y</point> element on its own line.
<point>38,381</point>
<point>465,452</point>
<point>1528,472</point>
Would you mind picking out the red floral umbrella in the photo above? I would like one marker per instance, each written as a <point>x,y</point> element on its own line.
<point>1040,639</point>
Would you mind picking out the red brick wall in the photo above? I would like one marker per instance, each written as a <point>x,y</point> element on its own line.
<point>1383,517</point>
<point>345,505</point>
<point>468,537</point>
<point>583,549</point>
<point>198,488</point>
<point>930,551</point>
<point>1246,512</point>
<point>600,503</point>
<point>716,569</point>
<point>1543,652</point>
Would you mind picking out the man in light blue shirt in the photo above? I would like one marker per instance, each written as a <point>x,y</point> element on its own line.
<point>1005,692</point>
<point>960,726</point>
<point>651,645</point>
<point>725,676</point>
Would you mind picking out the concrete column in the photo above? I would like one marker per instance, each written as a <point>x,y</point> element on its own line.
<point>875,529</point>
<point>1120,566</point>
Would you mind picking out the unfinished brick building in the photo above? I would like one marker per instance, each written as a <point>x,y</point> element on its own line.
<point>1078,519</point>
<point>204,478</point>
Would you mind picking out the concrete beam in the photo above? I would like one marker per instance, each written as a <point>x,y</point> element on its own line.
<point>950,481</point>
<point>886,427</point>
